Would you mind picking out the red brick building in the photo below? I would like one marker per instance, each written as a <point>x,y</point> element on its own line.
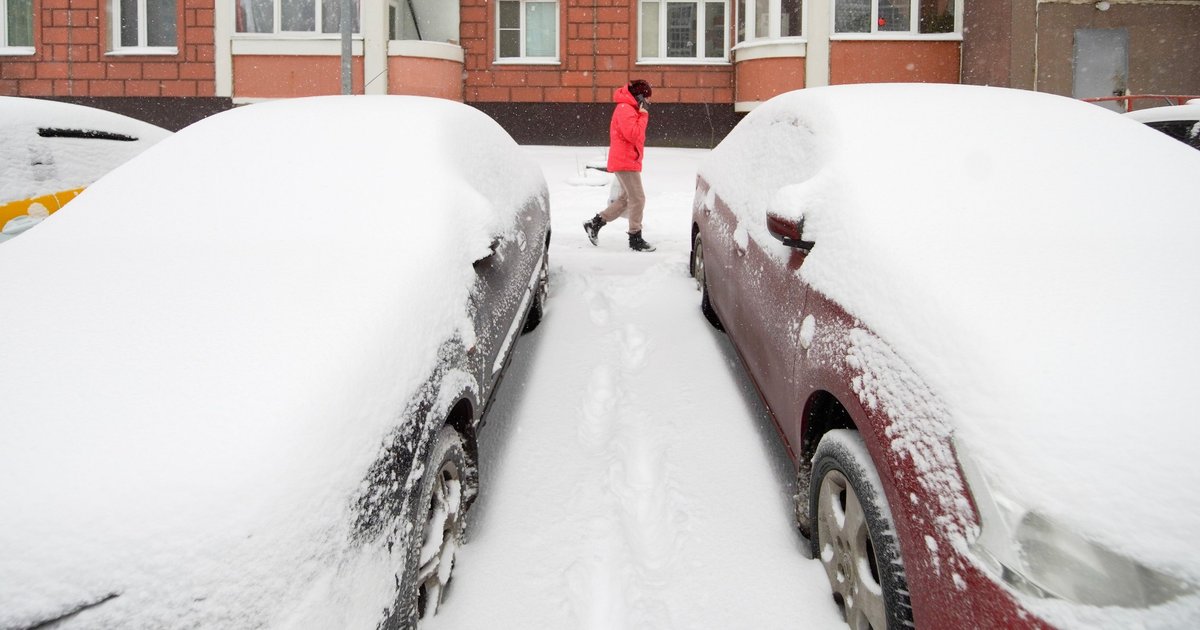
<point>545,69</point>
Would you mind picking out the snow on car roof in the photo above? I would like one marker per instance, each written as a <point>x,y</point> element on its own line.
<point>205,350</point>
<point>61,157</point>
<point>1189,111</point>
<point>1040,282</point>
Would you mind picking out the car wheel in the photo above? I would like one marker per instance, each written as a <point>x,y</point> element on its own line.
<point>855,536</point>
<point>538,308</point>
<point>702,284</point>
<point>440,519</point>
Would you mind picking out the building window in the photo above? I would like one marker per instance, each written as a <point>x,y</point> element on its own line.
<point>142,24</point>
<point>16,23</point>
<point>683,30</point>
<point>424,20</point>
<point>292,16</point>
<point>762,19</point>
<point>527,29</point>
<point>896,16</point>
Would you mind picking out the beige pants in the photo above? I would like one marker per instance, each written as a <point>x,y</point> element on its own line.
<point>631,202</point>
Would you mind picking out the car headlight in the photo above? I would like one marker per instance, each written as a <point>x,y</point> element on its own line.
<point>1035,555</point>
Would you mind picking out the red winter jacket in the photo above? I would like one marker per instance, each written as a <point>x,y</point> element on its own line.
<point>627,133</point>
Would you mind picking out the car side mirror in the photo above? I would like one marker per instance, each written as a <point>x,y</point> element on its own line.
<point>790,232</point>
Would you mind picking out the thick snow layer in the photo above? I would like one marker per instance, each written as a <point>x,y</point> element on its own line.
<point>32,165</point>
<point>1041,283</point>
<point>205,350</point>
<point>1189,111</point>
<point>630,478</point>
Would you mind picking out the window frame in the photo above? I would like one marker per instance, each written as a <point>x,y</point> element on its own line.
<point>5,47</point>
<point>277,31</point>
<point>727,34</point>
<point>914,26</point>
<point>114,32</point>
<point>522,31</point>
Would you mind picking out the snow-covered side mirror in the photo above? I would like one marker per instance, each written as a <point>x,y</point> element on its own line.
<point>790,232</point>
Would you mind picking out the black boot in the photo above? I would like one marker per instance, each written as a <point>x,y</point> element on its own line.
<point>637,244</point>
<point>593,228</point>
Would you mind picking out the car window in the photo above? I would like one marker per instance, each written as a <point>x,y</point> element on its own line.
<point>1186,131</point>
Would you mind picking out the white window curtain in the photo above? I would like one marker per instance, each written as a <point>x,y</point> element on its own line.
<point>895,16</point>
<point>527,29</point>
<point>144,24</point>
<point>17,23</point>
<point>292,16</point>
<point>682,30</point>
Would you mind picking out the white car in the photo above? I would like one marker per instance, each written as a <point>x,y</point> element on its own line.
<point>243,374</point>
<point>1181,122</point>
<point>50,151</point>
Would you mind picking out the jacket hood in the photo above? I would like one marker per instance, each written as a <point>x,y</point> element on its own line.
<point>622,95</point>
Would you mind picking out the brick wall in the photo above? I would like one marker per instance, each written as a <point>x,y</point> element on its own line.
<point>598,53</point>
<point>70,37</point>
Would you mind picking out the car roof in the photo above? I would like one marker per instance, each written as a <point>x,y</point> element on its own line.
<point>1187,112</point>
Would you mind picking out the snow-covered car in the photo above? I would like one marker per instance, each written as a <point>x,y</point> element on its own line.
<point>243,374</point>
<point>49,151</point>
<point>978,342</point>
<point>1181,122</point>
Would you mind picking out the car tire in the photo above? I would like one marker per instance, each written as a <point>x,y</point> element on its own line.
<point>697,268</point>
<point>439,524</point>
<point>854,536</point>
<point>538,308</point>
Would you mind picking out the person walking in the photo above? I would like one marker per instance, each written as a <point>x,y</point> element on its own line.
<point>627,144</point>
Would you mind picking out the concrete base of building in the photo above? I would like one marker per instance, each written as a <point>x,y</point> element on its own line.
<point>689,125</point>
<point>173,113</point>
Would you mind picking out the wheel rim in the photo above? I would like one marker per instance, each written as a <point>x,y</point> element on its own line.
<point>443,526</point>
<point>698,263</point>
<point>847,554</point>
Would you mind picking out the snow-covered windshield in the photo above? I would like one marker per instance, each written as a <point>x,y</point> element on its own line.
<point>47,146</point>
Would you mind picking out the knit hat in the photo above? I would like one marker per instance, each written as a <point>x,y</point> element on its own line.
<point>639,87</point>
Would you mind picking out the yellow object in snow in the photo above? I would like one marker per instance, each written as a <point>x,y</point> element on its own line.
<point>51,202</point>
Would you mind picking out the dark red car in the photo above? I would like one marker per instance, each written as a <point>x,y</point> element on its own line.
<point>973,347</point>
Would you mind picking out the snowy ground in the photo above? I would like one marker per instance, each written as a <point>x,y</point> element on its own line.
<point>631,479</point>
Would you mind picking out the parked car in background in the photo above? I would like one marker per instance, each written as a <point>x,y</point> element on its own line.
<point>49,151</point>
<point>978,349</point>
<point>244,373</point>
<point>1181,122</point>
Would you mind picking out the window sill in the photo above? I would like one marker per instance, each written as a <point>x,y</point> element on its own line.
<point>156,51</point>
<point>897,37</point>
<point>770,49</point>
<point>527,62</point>
<point>16,51</point>
<point>320,46</point>
<point>682,62</point>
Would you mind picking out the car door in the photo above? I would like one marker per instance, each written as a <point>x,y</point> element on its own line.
<point>503,282</point>
<point>717,222</point>
<point>768,324</point>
